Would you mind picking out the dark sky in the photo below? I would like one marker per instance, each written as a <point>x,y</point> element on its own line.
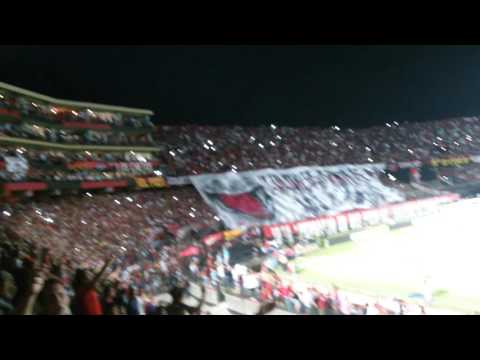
<point>295,85</point>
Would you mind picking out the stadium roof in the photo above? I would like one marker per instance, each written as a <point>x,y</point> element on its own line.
<point>74,104</point>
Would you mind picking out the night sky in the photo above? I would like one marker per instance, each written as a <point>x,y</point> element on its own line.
<point>353,86</point>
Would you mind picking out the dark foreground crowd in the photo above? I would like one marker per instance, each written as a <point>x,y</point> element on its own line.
<point>33,282</point>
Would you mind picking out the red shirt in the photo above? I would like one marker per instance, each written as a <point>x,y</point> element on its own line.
<point>89,303</point>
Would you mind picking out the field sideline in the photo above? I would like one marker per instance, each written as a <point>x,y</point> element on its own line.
<point>442,248</point>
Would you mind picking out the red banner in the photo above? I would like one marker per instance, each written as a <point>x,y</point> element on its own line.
<point>103,184</point>
<point>82,125</point>
<point>12,113</point>
<point>26,186</point>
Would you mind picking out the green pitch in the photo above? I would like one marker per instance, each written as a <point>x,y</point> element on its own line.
<point>443,248</point>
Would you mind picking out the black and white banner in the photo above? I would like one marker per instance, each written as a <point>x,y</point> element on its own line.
<point>277,196</point>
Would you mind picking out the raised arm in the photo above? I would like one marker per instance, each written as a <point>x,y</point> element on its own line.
<point>98,276</point>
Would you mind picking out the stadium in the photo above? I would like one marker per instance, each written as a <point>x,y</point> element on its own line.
<point>105,212</point>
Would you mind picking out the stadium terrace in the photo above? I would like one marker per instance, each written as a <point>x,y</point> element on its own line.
<point>105,212</point>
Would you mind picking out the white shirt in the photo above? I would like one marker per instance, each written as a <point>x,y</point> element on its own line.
<point>141,305</point>
<point>221,271</point>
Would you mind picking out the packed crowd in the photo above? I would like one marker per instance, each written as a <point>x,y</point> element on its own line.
<point>74,136</point>
<point>145,233</point>
<point>200,149</point>
<point>95,224</point>
<point>69,275</point>
<point>84,165</point>
<point>47,123</point>
<point>56,115</point>
<point>36,280</point>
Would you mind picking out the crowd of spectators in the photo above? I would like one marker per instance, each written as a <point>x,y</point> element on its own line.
<point>88,257</point>
<point>83,165</point>
<point>95,223</point>
<point>47,123</point>
<point>57,115</point>
<point>144,232</point>
<point>200,149</point>
<point>48,243</point>
<point>74,136</point>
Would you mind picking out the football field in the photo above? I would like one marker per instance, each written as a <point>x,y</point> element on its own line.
<point>438,254</point>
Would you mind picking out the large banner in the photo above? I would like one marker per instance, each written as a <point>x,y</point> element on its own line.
<point>280,196</point>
